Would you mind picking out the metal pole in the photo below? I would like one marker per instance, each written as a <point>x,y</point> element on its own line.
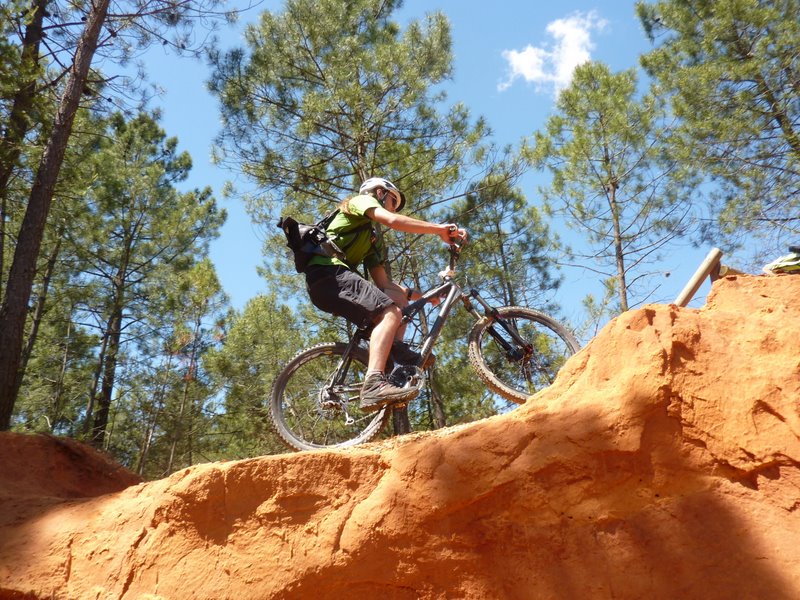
<point>710,263</point>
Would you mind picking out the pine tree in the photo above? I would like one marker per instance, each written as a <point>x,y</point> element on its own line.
<point>612,179</point>
<point>139,230</point>
<point>259,342</point>
<point>81,31</point>
<point>732,73</point>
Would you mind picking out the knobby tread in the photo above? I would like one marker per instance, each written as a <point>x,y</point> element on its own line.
<point>278,424</point>
<point>479,364</point>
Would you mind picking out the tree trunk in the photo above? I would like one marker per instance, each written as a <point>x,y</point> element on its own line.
<point>618,250</point>
<point>38,312</point>
<point>437,402</point>
<point>508,288</point>
<point>23,267</point>
<point>612,185</point>
<point>111,345</point>
<point>191,373</point>
<point>400,421</point>
<point>58,396</point>
<point>152,421</point>
<point>98,373</point>
<point>103,401</point>
<point>18,122</point>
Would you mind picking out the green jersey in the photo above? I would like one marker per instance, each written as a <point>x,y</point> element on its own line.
<point>359,246</point>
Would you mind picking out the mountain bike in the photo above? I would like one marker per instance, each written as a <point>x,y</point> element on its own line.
<point>516,352</point>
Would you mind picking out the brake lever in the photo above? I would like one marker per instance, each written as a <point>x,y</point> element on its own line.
<point>458,242</point>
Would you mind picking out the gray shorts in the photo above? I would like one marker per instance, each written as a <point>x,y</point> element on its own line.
<point>344,293</point>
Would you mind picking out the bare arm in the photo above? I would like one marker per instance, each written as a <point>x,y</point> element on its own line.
<point>448,232</point>
<point>407,224</point>
<point>380,277</point>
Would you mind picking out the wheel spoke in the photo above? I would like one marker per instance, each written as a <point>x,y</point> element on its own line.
<point>520,351</point>
<point>308,412</point>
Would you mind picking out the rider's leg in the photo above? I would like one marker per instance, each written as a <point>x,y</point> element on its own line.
<point>377,390</point>
<point>399,298</point>
<point>383,334</point>
<point>401,352</point>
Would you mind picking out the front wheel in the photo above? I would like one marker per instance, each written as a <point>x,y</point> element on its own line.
<point>314,400</point>
<point>518,351</point>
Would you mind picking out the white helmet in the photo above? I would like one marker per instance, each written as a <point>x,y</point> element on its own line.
<point>785,264</point>
<point>379,182</point>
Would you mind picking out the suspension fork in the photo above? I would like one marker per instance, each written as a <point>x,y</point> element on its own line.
<point>491,311</point>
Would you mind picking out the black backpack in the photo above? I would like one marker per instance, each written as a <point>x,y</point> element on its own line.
<point>307,241</point>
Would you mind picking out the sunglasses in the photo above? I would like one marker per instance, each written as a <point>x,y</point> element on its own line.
<point>393,196</point>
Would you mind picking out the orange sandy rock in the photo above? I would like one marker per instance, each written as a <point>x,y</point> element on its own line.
<point>663,463</point>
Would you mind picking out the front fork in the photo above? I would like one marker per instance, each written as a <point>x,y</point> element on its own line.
<point>517,352</point>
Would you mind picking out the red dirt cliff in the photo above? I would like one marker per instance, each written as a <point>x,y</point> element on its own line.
<point>663,463</point>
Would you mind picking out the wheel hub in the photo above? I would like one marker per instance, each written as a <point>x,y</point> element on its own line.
<point>328,402</point>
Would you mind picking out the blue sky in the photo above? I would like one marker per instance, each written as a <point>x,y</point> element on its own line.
<point>511,58</point>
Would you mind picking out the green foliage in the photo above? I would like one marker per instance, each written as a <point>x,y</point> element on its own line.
<point>328,93</point>
<point>613,179</point>
<point>598,310</point>
<point>23,101</point>
<point>167,414</point>
<point>258,344</point>
<point>331,92</point>
<point>509,248</point>
<point>137,223</point>
<point>19,64</point>
<point>60,353</point>
<point>140,231</point>
<point>130,294</point>
<point>59,375</point>
<point>732,71</point>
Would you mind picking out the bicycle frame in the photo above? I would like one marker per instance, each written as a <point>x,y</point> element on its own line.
<point>322,408</point>
<point>454,292</point>
<point>451,292</point>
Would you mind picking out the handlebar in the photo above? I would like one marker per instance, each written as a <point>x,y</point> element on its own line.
<point>454,240</point>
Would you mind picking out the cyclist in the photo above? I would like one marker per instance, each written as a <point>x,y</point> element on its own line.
<point>789,263</point>
<point>336,287</point>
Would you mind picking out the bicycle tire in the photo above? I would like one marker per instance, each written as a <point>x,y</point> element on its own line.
<point>296,406</point>
<point>517,378</point>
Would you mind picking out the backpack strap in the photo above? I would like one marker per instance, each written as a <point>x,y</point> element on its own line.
<point>328,219</point>
<point>291,229</point>
<point>356,231</point>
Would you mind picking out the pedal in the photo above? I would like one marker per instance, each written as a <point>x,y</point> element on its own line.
<point>406,376</point>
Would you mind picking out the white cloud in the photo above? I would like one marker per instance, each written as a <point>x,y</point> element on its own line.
<point>554,65</point>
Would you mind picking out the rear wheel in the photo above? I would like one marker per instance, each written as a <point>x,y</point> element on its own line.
<point>519,351</point>
<point>314,405</point>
